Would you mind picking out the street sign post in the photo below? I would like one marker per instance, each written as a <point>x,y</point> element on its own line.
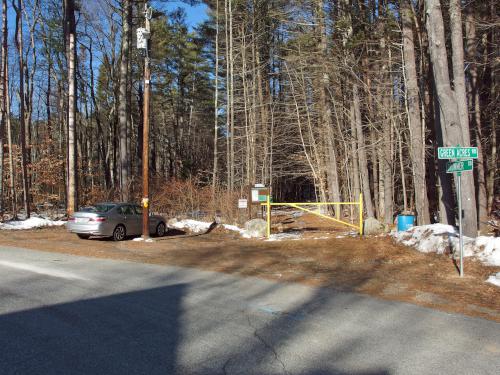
<point>460,161</point>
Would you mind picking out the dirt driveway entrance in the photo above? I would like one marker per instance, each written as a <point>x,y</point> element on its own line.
<point>374,265</point>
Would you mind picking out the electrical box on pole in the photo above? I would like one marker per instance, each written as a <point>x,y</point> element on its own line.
<point>143,36</point>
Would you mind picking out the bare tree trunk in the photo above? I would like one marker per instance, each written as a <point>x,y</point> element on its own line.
<point>326,112</point>
<point>490,45</point>
<point>474,94</point>
<point>9,140</point>
<point>70,30</point>
<point>356,190</point>
<point>216,101</point>
<point>22,115</point>
<point>123,100</point>
<point>417,140</point>
<point>452,120</point>
<point>402,170</point>
<point>468,188</point>
<point>228,99</point>
<point>387,158</point>
<point>231,75</point>
<point>363,164</point>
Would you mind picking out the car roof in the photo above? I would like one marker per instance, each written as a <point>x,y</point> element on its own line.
<point>118,203</point>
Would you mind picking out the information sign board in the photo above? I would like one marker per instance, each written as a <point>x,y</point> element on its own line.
<point>259,194</point>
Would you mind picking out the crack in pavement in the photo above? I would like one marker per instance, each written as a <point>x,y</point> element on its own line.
<point>224,367</point>
<point>268,346</point>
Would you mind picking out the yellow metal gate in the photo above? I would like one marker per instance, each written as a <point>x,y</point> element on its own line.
<point>300,206</point>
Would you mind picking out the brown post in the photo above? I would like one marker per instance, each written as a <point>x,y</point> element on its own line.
<point>145,139</point>
<point>249,202</point>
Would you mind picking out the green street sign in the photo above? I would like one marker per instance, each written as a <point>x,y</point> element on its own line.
<point>457,152</point>
<point>459,166</point>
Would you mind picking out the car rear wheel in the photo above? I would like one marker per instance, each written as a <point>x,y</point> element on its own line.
<point>119,233</point>
<point>83,236</point>
<point>160,230</point>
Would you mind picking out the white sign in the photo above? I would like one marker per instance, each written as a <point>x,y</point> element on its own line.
<point>242,203</point>
<point>255,195</point>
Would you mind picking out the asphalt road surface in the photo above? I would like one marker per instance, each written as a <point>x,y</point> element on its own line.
<point>62,314</point>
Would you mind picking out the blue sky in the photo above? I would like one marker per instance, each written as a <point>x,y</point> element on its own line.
<point>194,14</point>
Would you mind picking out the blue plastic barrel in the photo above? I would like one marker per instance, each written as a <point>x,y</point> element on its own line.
<point>405,222</point>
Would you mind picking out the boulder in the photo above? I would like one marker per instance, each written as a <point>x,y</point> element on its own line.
<point>255,228</point>
<point>373,226</point>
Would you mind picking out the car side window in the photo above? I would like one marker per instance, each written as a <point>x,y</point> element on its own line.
<point>125,210</point>
<point>138,210</point>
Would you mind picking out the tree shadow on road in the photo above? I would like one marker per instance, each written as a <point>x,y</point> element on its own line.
<point>138,333</point>
<point>130,333</point>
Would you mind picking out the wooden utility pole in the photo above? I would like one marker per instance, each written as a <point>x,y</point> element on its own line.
<point>3,102</point>
<point>145,132</point>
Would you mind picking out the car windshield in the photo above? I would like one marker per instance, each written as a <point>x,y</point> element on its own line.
<point>99,208</point>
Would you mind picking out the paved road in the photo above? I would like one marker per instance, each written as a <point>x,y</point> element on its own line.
<point>61,314</point>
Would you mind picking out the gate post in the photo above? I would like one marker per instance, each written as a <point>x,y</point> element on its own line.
<point>268,215</point>
<point>360,214</point>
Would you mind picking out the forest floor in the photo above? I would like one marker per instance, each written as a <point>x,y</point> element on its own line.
<point>323,256</point>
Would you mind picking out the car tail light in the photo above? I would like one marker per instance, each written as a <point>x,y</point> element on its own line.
<point>98,219</point>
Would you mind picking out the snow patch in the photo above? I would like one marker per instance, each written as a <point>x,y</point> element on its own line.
<point>194,226</point>
<point>493,279</point>
<point>441,239</point>
<point>31,223</point>
<point>234,228</point>
<point>294,236</point>
<point>140,239</point>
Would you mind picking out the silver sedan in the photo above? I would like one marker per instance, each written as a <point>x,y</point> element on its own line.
<point>116,220</point>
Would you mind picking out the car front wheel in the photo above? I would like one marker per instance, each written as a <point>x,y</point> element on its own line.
<point>119,233</point>
<point>160,230</point>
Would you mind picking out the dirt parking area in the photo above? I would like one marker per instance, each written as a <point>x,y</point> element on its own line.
<point>373,265</point>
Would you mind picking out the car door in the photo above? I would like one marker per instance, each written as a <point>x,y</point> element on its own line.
<point>128,218</point>
<point>138,216</point>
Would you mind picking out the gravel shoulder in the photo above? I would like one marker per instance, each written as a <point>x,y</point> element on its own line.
<point>375,265</point>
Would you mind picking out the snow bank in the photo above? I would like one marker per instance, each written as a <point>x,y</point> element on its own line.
<point>31,223</point>
<point>494,279</point>
<point>441,238</point>
<point>194,226</point>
